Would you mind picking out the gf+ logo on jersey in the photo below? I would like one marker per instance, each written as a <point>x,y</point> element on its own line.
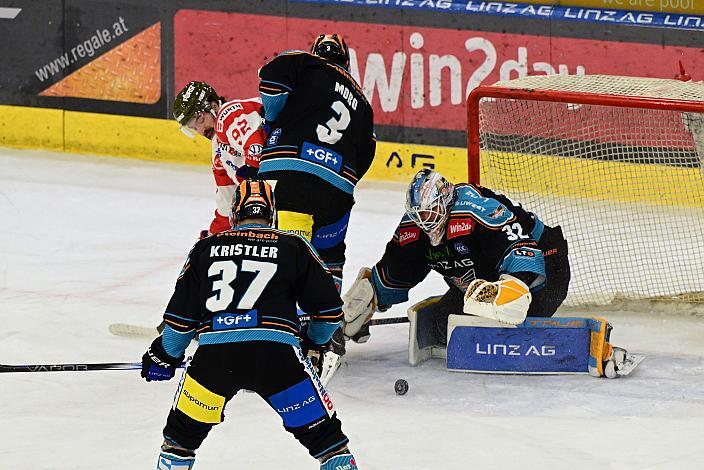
<point>322,155</point>
<point>229,321</point>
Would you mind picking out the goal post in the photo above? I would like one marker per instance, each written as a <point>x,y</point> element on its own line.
<point>618,162</point>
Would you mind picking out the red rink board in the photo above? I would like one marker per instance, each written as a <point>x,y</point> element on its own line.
<point>417,76</point>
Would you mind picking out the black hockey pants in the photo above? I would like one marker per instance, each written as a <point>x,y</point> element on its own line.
<point>277,372</point>
<point>329,208</point>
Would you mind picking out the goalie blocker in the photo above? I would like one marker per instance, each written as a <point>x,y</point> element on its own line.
<point>569,345</point>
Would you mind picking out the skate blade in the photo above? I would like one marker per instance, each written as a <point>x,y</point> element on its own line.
<point>632,361</point>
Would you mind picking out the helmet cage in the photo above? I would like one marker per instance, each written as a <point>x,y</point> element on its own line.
<point>428,200</point>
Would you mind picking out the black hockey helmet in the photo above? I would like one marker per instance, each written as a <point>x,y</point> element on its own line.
<point>194,98</point>
<point>253,199</point>
<point>333,48</point>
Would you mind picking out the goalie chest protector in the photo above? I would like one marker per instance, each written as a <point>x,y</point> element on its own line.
<point>536,346</point>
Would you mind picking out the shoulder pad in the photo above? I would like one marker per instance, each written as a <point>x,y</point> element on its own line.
<point>486,211</point>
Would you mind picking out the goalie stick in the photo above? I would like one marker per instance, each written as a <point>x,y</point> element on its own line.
<point>127,330</point>
<point>77,367</point>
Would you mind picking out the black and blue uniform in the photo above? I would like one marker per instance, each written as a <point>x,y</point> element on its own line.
<point>238,291</point>
<point>320,142</point>
<point>486,235</point>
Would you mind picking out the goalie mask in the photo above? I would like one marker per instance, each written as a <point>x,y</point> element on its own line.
<point>253,199</point>
<point>333,48</point>
<point>195,98</point>
<point>428,201</point>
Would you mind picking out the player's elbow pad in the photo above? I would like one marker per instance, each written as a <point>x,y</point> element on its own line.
<point>506,300</point>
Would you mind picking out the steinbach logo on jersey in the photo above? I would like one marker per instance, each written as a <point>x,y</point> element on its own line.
<point>408,235</point>
<point>459,227</point>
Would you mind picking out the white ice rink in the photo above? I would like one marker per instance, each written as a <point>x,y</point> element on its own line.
<point>88,241</point>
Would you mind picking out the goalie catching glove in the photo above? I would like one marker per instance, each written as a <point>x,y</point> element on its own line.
<point>506,300</point>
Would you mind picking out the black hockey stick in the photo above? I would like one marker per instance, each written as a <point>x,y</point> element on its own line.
<point>72,367</point>
<point>129,365</point>
<point>388,321</point>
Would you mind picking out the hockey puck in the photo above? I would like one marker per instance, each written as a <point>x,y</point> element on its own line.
<point>401,387</point>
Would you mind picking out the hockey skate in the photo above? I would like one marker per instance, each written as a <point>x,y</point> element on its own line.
<point>621,363</point>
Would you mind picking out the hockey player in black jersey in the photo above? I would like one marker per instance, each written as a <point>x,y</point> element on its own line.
<point>320,142</point>
<point>238,291</point>
<point>499,260</point>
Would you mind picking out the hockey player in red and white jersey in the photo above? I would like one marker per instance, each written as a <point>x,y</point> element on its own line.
<point>235,128</point>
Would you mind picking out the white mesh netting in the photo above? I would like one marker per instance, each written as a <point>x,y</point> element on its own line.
<point>626,184</point>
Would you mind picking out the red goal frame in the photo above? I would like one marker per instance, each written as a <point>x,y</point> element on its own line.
<point>559,96</point>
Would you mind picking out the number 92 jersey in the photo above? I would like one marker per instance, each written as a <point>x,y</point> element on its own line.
<point>318,118</point>
<point>243,285</point>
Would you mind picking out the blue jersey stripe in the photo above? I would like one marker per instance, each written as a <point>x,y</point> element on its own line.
<point>297,164</point>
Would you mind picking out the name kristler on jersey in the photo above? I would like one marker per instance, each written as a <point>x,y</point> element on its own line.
<point>242,249</point>
<point>346,94</point>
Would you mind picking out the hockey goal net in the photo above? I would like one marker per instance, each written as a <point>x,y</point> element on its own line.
<point>618,162</point>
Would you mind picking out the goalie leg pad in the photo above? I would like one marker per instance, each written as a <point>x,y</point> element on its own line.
<point>600,349</point>
<point>481,345</point>
<point>428,325</point>
<point>421,332</point>
<point>606,360</point>
<point>538,345</point>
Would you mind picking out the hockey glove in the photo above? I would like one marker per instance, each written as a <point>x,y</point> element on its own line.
<point>323,358</point>
<point>506,300</point>
<point>314,352</point>
<point>360,305</point>
<point>157,364</point>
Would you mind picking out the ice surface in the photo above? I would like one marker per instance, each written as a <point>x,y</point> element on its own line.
<point>88,241</point>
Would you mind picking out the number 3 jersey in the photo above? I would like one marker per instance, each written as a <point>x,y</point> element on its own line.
<point>486,235</point>
<point>318,120</point>
<point>243,285</point>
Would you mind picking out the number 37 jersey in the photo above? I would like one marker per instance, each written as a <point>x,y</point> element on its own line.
<point>318,118</point>
<point>243,285</point>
